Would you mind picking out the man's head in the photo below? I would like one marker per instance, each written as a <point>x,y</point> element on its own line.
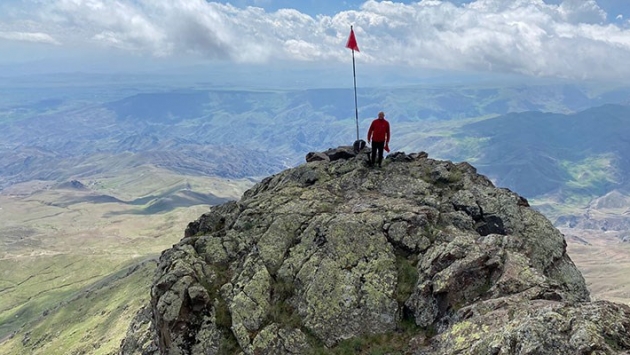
<point>381,115</point>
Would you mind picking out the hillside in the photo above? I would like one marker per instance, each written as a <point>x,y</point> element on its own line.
<point>557,151</point>
<point>78,257</point>
<point>566,164</point>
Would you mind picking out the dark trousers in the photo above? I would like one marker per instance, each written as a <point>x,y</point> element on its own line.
<point>377,146</point>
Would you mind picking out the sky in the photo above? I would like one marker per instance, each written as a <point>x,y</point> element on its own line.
<point>567,39</point>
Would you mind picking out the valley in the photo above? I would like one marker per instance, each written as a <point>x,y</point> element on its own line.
<point>77,258</point>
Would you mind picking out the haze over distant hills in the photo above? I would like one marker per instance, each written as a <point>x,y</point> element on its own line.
<point>517,134</point>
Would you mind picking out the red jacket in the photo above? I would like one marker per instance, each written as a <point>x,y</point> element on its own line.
<point>379,131</point>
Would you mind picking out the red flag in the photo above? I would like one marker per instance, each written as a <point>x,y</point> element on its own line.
<point>352,41</point>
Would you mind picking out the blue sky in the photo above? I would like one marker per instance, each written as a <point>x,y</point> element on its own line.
<point>317,7</point>
<point>569,39</point>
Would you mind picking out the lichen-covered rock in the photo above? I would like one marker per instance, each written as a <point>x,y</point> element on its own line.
<point>539,327</point>
<point>140,337</point>
<point>274,339</point>
<point>425,253</point>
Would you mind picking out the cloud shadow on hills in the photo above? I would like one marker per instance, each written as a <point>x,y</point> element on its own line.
<point>152,204</point>
<point>168,203</point>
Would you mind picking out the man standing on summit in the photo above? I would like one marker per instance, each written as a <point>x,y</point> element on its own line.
<point>379,135</point>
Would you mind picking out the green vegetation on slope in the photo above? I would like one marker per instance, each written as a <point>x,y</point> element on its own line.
<point>66,254</point>
<point>594,174</point>
<point>590,178</point>
<point>91,318</point>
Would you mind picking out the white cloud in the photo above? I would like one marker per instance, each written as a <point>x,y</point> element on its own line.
<point>582,11</point>
<point>572,40</point>
<point>36,37</point>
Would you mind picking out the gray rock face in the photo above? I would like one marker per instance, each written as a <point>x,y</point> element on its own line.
<point>421,256</point>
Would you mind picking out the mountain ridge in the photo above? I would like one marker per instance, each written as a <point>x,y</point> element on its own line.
<point>426,255</point>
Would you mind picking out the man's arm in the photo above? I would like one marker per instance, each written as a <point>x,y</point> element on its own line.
<point>370,131</point>
<point>388,133</point>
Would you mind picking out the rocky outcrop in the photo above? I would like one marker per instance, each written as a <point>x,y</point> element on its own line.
<point>421,256</point>
<point>538,327</point>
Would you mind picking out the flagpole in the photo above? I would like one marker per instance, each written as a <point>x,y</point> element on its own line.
<point>354,75</point>
<point>356,105</point>
<point>352,44</point>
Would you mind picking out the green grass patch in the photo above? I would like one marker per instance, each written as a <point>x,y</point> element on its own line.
<point>223,274</point>
<point>407,277</point>
<point>391,343</point>
<point>282,311</point>
<point>223,317</point>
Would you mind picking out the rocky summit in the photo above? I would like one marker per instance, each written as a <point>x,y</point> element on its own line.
<point>418,257</point>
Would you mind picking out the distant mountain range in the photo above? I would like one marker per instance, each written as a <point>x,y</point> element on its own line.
<point>540,153</point>
<point>507,132</point>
